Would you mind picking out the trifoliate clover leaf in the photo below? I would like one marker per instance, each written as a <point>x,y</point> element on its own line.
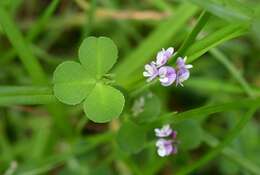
<point>75,82</point>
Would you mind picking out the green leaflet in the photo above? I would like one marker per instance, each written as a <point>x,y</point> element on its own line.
<point>104,103</point>
<point>98,55</point>
<point>72,83</point>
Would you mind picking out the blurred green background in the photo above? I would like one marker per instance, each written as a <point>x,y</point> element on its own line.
<point>35,139</point>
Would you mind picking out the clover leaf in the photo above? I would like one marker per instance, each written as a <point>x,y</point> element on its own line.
<point>75,82</point>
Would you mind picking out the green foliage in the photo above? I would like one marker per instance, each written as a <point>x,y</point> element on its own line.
<point>74,82</point>
<point>40,135</point>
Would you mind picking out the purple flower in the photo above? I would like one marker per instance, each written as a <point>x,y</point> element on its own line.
<point>167,75</point>
<point>165,147</point>
<point>163,56</point>
<point>182,75</point>
<point>165,131</point>
<point>183,72</point>
<point>150,71</point>
<point>181,63</point>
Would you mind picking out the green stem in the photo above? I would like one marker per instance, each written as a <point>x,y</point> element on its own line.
<point>25,95</point>
<point>215,151</point>
<point>231,68</point>
<point>27,100</point>
<point>142,88</point>
<point>232,155</point>
<point>208,85</point>
<point>24,90</point>
<point>207,110</point>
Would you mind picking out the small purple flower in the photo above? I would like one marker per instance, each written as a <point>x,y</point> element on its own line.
<point>165,147</point>
<point>164,132</point>
<point>167,75</point>
<point>183,72</point>
<point>182,75</point>
<point>163,56</point>
<point>168,146</point>
<point>150,71</point>
<point>181,63</point>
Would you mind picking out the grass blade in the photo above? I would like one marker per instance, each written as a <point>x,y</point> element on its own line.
<point>202,21</point>
<point>212,40</point>
<point>224,60</point>
<point>15,37</point>
<point>211,109</point>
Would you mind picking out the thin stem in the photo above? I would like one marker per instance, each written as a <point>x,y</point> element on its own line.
<point>25,95</point>
<point>27,100</point>
<point>25,90</point>
<point>227,140</point>
<point>231,68</point>
<point>142,88</point>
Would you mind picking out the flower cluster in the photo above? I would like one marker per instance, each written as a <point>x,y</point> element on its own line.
<point>167,74</point>
<point>166,147</point>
